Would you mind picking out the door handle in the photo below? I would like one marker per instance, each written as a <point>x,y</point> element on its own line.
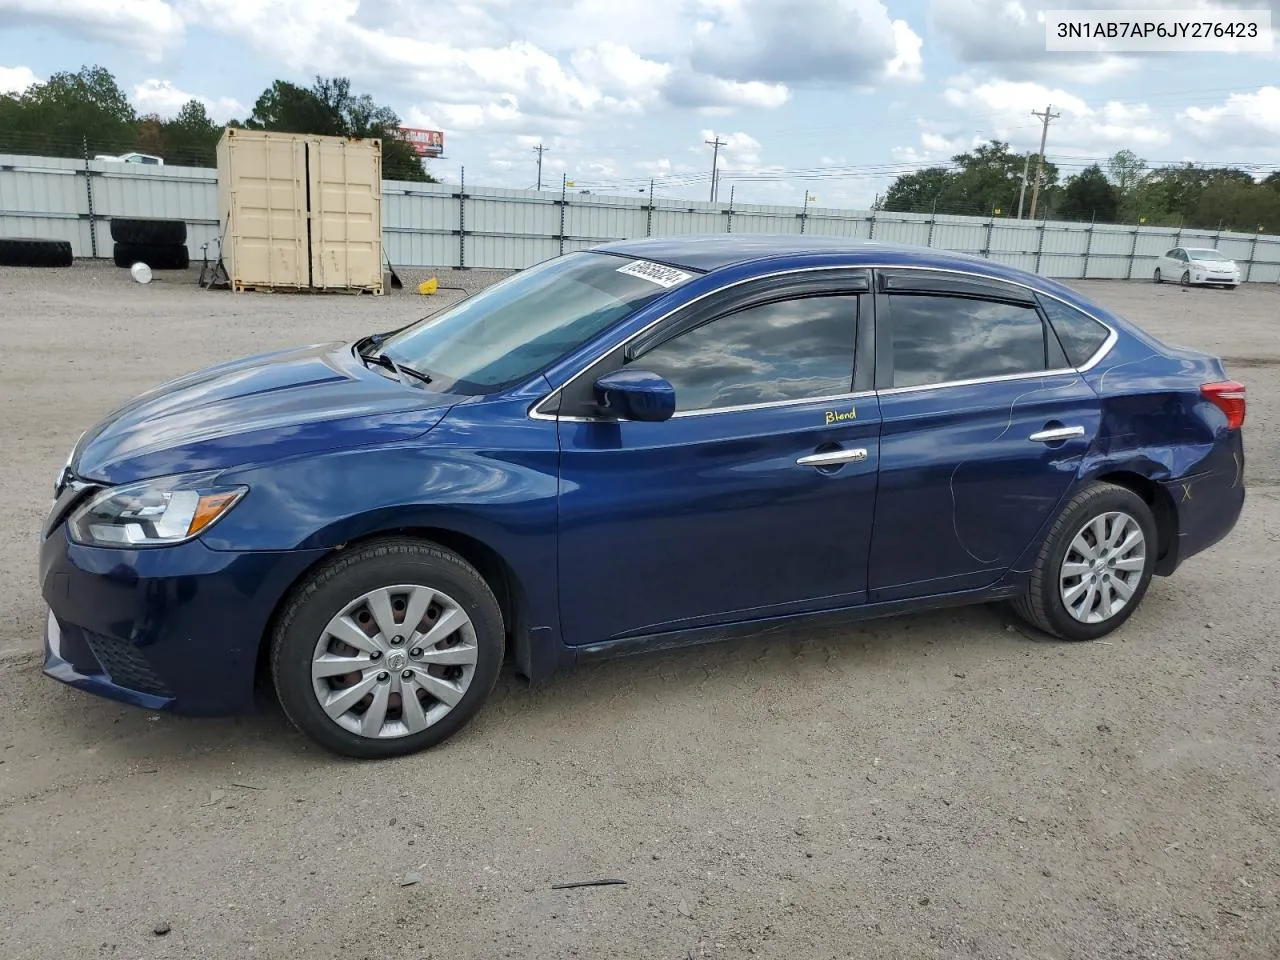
<point>833,457</point>
<point>1056,434</point>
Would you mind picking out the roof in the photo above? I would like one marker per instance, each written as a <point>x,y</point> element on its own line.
<point>711,252</point>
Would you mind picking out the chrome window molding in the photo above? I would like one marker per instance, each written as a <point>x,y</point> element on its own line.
<point>1112,336</point>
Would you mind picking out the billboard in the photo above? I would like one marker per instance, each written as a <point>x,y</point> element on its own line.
<point>427,143</point>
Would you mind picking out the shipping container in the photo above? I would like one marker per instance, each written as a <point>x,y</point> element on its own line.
<point>345,177</point>
<point>299,212</point>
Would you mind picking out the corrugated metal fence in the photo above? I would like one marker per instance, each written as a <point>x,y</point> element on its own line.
<point>443,225</point>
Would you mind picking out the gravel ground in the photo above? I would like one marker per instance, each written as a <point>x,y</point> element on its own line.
<point>930,786</point>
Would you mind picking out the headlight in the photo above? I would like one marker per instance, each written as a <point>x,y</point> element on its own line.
<point>153,513</point>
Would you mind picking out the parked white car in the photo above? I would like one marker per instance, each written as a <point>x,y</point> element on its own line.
<point>1189,265</point>
<point>132,158</point>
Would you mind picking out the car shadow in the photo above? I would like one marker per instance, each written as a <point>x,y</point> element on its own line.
<point>263,740</point>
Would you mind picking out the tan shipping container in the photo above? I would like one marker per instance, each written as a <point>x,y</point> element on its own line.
<point>346,213</point>
<point>300,212</point>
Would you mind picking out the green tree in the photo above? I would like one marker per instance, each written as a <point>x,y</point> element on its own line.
<point>191,138</point>
<point>1089,195</point>
<point>917,192</point>
<point>990,178</point>
<point>1127,170</point>
<point>1242,207</point>
<point>330,108</point>
<point>1273,181</point>
<point>69,110</point>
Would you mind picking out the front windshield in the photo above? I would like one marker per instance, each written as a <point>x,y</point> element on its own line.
<point>515,328</point>
<point>1205,255</point>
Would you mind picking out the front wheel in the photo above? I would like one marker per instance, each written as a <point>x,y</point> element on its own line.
<point>1157,278</point>
<point>387,649</point>
<point>1186,278</point>
<point>1095,565</point>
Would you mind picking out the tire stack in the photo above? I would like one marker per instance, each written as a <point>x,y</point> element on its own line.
<point>160,244</point>
<point>34,252</point>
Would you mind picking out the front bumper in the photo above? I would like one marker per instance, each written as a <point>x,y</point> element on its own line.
<point>171,628</point>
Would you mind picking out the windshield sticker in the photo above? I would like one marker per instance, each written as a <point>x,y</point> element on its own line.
<point>655,273</point>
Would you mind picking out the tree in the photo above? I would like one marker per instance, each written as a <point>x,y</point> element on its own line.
<point>1244,208</point>
<point>917,192</point>
<point>1126,169</point>
<point>329,108</point>
<point>191,138</point>
<point>69,110</point>
<point>1273,181</point>
<point>1089,195</point>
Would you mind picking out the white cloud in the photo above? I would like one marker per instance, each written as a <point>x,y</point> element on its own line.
<point>832,41</point>
<point>685,88</point>
<point>1004,108</point>
<point>16,79</point>
<point>148,26</point>
<point>1244,120</point>
<point>163,98</point>
<point>907,63</point>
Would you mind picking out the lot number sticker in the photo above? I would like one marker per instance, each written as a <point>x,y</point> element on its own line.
<point>655,273</point>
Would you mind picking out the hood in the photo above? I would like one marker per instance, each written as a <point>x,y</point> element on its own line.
<point>271,406</point>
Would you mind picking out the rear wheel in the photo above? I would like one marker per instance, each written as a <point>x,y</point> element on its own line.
<point>388,650</point>
<point>1094,567</point>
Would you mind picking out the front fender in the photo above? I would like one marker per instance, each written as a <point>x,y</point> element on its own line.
<point>500,492</point>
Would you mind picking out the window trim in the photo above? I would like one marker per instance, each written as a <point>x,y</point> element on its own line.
<point>553,397</point>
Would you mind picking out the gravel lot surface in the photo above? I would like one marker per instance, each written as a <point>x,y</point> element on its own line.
<point>930,786</point>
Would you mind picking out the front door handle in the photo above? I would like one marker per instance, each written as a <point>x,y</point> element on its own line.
<point>1057,434</point>
<point>831,458</point>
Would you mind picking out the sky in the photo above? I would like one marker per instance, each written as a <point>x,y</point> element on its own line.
<point>833,97</point>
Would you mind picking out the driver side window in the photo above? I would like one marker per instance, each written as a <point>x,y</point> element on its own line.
<point>789,350</point>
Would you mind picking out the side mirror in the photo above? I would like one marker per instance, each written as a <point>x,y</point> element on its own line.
<point>636,395</point>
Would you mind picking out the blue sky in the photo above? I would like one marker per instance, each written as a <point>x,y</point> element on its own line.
<point>837,96</point>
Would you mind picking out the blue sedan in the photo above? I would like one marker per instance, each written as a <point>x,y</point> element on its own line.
<point>645,445</point>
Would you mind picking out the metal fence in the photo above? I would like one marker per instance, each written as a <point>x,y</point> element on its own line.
<point>446,225</point>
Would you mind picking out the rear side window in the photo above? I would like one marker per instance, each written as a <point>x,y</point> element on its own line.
<point>791,350</point>
<point>1080,335</point>
<point>943,339</point>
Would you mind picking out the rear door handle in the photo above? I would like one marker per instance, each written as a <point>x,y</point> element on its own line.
<point>832,457</point>
<point>1056,434</point>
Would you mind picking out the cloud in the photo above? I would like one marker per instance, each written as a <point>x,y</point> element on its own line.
<point>16,79</point>
<point>1244,120</point>
<point>149,26</point>
<point>163,98</point>
<point>1005,109</point>
<point>686,88</point>
<point>833,41</point>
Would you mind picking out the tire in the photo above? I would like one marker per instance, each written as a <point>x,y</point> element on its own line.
<point>1232,286</point>
<point>1157,278</point>
<point>156,257</point>
<point>304,636</point>
<point>160,232</point>
<point>33,252</point>
<point>1186,278</point>
<point>1043,605</point>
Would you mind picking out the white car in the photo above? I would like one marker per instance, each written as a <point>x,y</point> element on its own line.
<point>1188,265</point>
<point>132,158</point>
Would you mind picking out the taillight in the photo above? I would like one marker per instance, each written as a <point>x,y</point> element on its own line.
<point>1227,396</point>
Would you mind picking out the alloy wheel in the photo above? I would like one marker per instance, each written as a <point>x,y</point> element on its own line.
<point>1103,567</point>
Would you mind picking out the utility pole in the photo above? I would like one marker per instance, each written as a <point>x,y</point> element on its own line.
<point>716,144</point>
<point>1026,164</point>
<point>539,150</point>
<point>1045,118</point>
